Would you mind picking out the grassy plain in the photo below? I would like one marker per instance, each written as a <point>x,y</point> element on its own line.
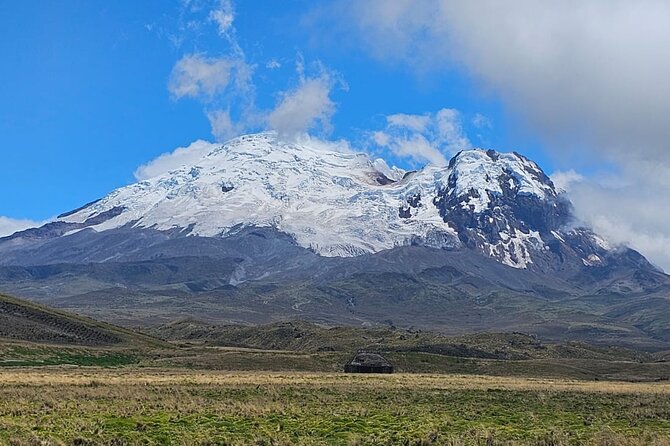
<point>68,380</point>
<point>116,406</point>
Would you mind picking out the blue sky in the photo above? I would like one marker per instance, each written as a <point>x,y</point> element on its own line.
<point>85,97</point>
<point>90,90</point>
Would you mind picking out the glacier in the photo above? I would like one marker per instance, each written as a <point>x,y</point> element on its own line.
<point>334,203</point>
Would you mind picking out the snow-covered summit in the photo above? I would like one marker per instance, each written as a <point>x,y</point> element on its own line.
<point>339,203</point>
<point>493,172</point>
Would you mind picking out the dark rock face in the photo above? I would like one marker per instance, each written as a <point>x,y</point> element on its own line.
<point>509,209</point>
<point>492,154</point>
<point>413,201</point>
<point>104,216</point>
<point>383,180</point>
<point>506,211</point>
<point>510,212</point>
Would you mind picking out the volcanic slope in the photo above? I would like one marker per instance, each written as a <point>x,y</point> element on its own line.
<point>260,230</point>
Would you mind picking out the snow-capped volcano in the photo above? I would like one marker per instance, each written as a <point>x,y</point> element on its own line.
<point>344,204</point>
<point>260,230</point>
<point>338,204</point>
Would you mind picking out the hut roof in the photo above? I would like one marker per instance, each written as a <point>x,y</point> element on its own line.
<point>370,360</point>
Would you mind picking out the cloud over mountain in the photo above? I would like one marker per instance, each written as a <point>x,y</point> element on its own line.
<point>8,226</point>
<point>588,78</point>
<point>423,138</point>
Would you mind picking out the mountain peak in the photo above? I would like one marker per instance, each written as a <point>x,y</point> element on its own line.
<point>480,173</point>
<point>341,203</point>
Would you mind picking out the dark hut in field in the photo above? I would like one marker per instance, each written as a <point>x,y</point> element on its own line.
<point>368,363</point>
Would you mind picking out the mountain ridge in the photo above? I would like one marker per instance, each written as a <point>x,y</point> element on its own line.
<point>345,204</point>
<point>260,231</point>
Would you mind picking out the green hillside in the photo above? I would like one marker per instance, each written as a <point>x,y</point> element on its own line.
<point>302,336</point>
<point>23,321</point>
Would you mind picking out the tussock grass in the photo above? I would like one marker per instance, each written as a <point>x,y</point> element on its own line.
<point>137,406</point>
<point>131,376</point>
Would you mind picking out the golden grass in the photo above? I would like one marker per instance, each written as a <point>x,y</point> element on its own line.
<point>130,376</point>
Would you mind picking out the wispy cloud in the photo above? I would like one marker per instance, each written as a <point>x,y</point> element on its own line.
<point>564,180</point>
<point>202,77</point>
<point>423,138</point>
<point>223,16</point>
<point>223,82</point>
<point>633,216</point>
<point>181,156</point>
<point>481,121</point>
<point>9,226</point>
<point>223,126</point>
<point>417,123</point>
<point>306,107</point>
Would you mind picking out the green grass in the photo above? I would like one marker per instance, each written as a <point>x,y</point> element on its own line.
<point>329,410</point>
<point>102,360</point>
<point>35,356</point>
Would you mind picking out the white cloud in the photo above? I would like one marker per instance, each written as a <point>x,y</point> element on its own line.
<point>9,226</point>
<point>481,122</point>
<point>588,78</point>
<point>199,77</point>
<point>450,131</point>
<point>223,84</point>
<point>304,108</point>
<point>340,145</point>
<point>415,147</point>
<point>222,124</point>
<point>583,72</point>
<point>381,139</point>
<point>636,217</point>
<point>217,83</point>
<point>181,156</point>
<point>418,123</point>
<point>623,209</point>
<point>423,138</point>
<point>223,16</point>
<point>565,179</point>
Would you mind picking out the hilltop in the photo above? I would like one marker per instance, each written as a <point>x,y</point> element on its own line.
<point>28,322</point>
